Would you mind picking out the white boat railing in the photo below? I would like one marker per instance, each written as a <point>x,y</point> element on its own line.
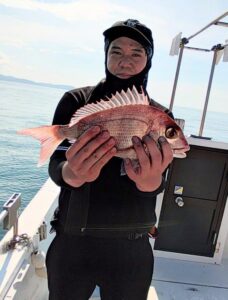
<point>38,211</point>
<point>219,50</point>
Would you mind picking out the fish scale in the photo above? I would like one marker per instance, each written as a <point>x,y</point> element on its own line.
<point>121,129</point>
<point>124,129</point>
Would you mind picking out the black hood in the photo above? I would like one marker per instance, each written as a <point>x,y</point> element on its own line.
<point>143,35</point>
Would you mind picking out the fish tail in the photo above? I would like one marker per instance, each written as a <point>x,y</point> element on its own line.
<point>49,137</point>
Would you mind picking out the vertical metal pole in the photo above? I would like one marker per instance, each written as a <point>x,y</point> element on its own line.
<point>15,229</point>
<point>208,93</point>
<point>176,77</point>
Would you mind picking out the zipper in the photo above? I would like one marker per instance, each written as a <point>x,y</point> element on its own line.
<point>117,228</point>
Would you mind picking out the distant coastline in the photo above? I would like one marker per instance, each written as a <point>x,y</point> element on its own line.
<point>21,80</point>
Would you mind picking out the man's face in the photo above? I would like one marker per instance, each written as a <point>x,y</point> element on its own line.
<point>126,58</point>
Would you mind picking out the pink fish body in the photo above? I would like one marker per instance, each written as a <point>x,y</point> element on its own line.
<point>124,115</point>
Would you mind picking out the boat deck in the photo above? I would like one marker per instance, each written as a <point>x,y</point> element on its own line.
<point>183,280</point>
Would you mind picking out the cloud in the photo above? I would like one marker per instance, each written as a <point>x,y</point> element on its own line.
<point>8,65</point>
<point>11,41</point>
<point>52,40</point>
<point>87,10</point>
<point>23,34</point>
<point>80,49</point>
<point>86,20</point>
<point>4,59</point>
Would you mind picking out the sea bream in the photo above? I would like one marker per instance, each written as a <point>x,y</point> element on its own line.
<point>124,115</point>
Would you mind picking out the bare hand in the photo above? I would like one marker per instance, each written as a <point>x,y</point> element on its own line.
<point>148,176</point>
<point>87,156</point>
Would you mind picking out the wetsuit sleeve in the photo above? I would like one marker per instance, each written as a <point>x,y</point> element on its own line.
<point>68,104</point>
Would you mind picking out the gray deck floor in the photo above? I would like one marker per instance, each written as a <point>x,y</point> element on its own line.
<point>183,280</point>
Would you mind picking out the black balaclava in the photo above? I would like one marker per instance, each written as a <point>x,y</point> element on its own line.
<point>139,32</point>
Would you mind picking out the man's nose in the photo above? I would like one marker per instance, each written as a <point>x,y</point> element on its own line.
<point>125,62</point>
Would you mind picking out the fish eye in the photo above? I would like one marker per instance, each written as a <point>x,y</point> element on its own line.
<point>170,133</point>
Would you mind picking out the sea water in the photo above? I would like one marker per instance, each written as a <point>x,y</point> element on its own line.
<point>25,105</point>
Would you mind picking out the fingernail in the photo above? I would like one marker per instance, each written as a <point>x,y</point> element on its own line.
<point>146,137</point>
<point>111,142</point>
<point>113,150</point>
<point>96,129</point>
<point>162,139</point>
<point>135,140</point>
<point>105,134</point>
<point>153,134</point>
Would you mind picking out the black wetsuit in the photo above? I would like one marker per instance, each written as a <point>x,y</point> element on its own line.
<point>101,226</point>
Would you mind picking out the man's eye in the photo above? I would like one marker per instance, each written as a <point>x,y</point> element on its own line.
<point>136,55</point>
<point>116,52</point>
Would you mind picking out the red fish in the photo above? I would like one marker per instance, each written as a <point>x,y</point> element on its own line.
<point>124,115</point>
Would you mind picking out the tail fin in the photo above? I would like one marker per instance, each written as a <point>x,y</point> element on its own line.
<point>49,138</point>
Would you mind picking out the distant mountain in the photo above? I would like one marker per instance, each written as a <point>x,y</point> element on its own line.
<point>21,80</point>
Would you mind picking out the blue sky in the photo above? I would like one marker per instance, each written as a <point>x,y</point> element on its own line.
<point>61,42</point>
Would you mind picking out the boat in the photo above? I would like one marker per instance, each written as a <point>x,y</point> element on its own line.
<point>191,250</point>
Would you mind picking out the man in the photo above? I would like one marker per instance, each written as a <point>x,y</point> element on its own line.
<point>104,217</point>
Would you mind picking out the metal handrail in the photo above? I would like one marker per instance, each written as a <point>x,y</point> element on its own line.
<point>182,46</point>
<point>222,24</point>
<point>208,93</point>
<point>176,77</point>
<point>214,22</point>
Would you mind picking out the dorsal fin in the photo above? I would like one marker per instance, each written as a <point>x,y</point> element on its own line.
<point>131,97</point>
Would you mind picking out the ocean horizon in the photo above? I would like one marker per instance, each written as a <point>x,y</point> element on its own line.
<point>25,105</point>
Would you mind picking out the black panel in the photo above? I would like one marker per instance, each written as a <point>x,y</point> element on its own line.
<point>182,228</point>
<point>191,228</point>
<point>200,174</point>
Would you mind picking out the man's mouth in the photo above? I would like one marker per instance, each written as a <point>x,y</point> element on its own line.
<point>123,75</point>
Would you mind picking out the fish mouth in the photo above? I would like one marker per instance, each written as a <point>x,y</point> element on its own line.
<point>179,155</point>
<point>180,152</point>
